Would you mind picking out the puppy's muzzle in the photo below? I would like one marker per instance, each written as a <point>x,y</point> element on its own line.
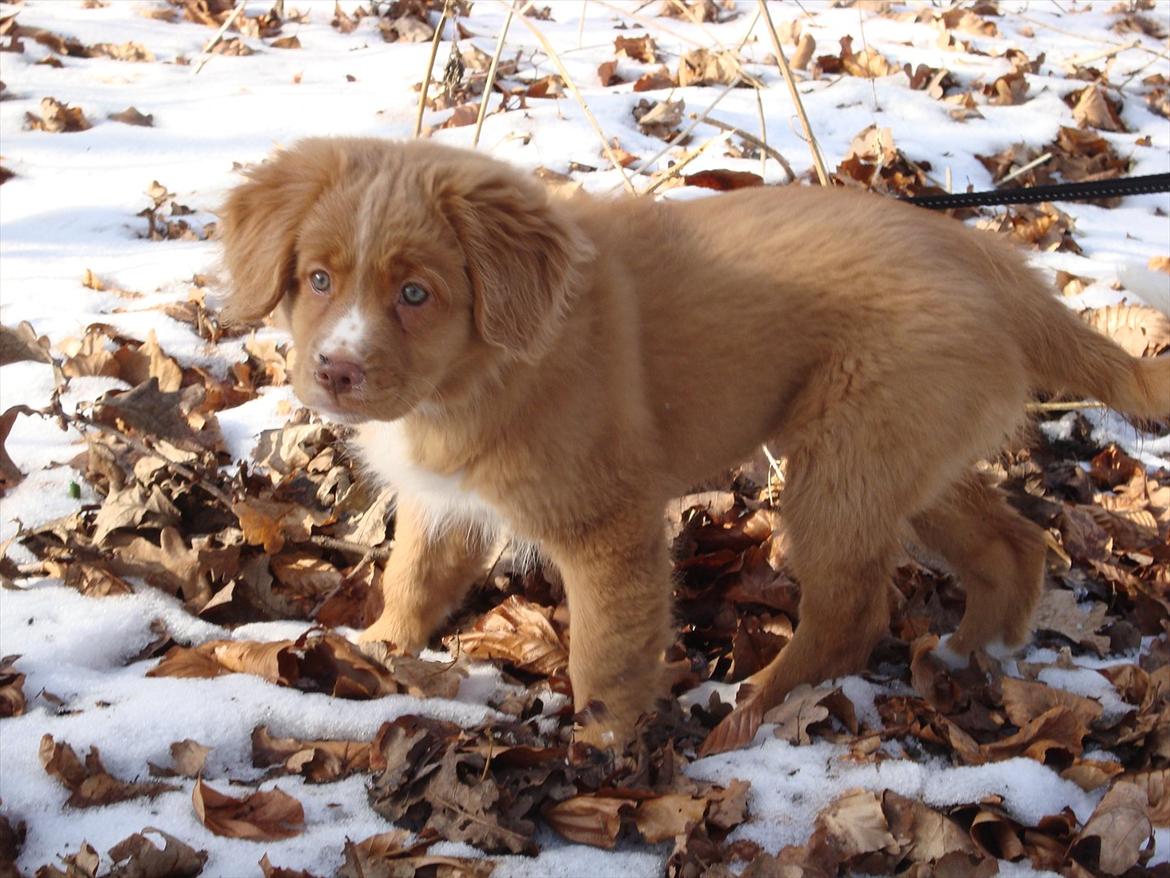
<point>338,376</point>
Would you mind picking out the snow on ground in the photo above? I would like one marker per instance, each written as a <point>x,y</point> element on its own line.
<point>72,207</point>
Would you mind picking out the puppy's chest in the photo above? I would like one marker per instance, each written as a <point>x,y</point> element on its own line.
<point>386,451</point>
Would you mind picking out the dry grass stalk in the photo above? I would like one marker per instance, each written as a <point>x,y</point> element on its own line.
<point>685,133</point>
<point>752,139</point>
<point>676,169</point>
<point>1023,169</point>
<point>223,29</point>
<point>1064,406</point>
<point>426,84</point>
<point>818,162</point>
<point>491,75</point>
<point>572,87</point>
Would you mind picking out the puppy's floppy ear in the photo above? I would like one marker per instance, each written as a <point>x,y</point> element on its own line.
<point>259,222</point>
<point>522,250</point>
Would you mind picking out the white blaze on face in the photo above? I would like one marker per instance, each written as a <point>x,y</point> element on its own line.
<point>346,337</point>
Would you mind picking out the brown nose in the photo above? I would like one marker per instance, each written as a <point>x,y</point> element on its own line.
<point>338,376</point>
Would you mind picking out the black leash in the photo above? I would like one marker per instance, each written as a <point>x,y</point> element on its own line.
<point>1115,188</point>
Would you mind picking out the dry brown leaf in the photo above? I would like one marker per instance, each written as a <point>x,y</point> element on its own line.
<point>608,75</point>
<point>518,632</point>
<point>189,758</point>
<point>669,816</point>
<point>592,820</point>
<point>139,857</point>
<point>1141,330</point>
<point>655,79</point>
<point>262,816</point>
<point>1093,108</point>
<point>807,707</point>
<point>131,116</point>
<point>1024,700</point>
<point>704,67</point>
<point>1058,611</point>
<point>1156,784</point>
<point>22,344</point>
<point>12,701</point>
<point>723,180</point>
<point>1119,834</point>
<point>83,864</point>
<point>659,119</point>
<point>10,474</point>
<point>90,785</point>
<point>269,523</point>
<point>637,48</point>
<point>388,855</point>
<point>57,118</point>
<point>317,761</point>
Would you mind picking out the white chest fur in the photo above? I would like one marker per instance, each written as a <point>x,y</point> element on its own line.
<point>386,451</point>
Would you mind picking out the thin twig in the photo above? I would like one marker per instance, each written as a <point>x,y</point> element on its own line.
<point>818,162</point>
<point>572,86</point>
<point>491,76</point>
<point>426,84</point>
<point>349,548</point>
<point>675,169</point>
<point>1078,60</point>
<point>223,29</point>
<point>751,138</point>
<point>1088,39</point>
<point>581,24</point>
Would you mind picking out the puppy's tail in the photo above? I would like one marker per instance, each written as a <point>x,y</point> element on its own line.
<point>1066,354</point>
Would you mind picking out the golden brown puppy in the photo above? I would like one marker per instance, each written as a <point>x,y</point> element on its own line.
<point>561,369</point>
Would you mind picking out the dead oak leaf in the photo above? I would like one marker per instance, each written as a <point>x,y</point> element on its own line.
<point>147,409</point>
<point>269,523</point>
<point>138,857</point>
<point>806,708</point>
<point>1025,700</point>
<point>318,761</point>
<point>57,117</point>
<point>83,864</point>
<point>389,854</point>
<point>520,633</point>
<point>636,48</point>
<point>1059,612</point>
<point>1156,783</point>
<point>261,816</point>
<point>1118,836</point>
<point>22,344</point>
<point>90,785</point>
<point>704,67</point>
<point>10,474</point>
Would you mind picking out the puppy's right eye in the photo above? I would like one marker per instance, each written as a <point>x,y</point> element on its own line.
<point>320,282</point>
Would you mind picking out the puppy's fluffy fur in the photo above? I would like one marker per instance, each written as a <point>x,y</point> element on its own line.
<point>576,364</point>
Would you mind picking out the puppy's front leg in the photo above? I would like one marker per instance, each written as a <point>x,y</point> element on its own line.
<point>618,588</point>
<point>428,574</point>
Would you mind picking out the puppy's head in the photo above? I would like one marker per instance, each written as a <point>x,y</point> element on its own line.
<point>406,271</point>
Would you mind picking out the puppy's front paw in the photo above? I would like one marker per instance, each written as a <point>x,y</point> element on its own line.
<point>402,634</point>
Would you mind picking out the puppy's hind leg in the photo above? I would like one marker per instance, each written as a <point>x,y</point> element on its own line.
<point>428,574</point>
<point>998,556</point>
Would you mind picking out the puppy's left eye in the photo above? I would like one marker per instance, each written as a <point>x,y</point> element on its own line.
<point>413,294</point>
<point>320,281</point>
